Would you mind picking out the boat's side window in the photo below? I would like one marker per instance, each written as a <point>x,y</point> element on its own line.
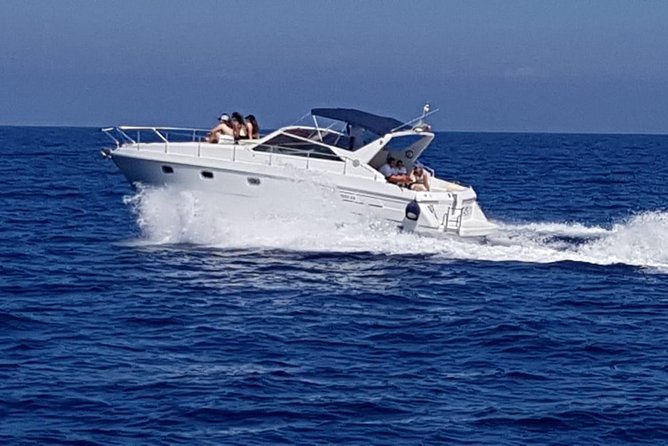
<point>167,169</point>
<point>286,145</point>
<point>206,174</point>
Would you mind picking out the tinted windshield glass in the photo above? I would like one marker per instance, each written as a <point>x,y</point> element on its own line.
<point>286,145</point>
<point>331,137</point>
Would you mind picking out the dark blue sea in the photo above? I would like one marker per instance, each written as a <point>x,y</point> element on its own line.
<point>163,317</point>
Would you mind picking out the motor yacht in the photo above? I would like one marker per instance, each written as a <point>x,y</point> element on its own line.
<point>347,154</point>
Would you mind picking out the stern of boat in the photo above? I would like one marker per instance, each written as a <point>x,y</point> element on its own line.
<point>456,213</point>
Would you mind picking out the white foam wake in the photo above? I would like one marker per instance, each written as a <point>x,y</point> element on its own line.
<point>293,218</point>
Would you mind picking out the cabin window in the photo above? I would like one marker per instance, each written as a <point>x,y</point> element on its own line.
<point>167,169</point>
<point>206,174</point>
<point>287,145</point>
<point>253,181</point>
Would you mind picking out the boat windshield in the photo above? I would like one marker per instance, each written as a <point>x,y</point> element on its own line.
<point>329,136</point>
<point>287,145</point>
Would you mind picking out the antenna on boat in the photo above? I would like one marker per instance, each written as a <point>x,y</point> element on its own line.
<point>421,125</point>
<point>425,111</point>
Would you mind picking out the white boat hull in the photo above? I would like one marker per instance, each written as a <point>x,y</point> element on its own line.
<point>246,174</point>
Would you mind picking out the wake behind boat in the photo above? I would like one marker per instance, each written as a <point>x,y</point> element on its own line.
<point>349,154</point>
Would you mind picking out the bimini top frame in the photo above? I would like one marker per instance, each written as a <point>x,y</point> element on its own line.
<point>380,125</point>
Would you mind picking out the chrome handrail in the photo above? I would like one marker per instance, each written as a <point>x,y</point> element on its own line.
<point>161,132</point>
<point>363,165</point>
<point>120,136</point>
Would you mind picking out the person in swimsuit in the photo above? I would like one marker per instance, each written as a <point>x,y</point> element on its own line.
<point>252,127</point>
<point>224,127</point>
<point>239,129</point>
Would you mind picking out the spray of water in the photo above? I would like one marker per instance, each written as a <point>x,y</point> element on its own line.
<point>306,216</point>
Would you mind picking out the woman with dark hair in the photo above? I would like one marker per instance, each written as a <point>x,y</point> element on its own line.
<point>253,128</point>
<point>239,126</point>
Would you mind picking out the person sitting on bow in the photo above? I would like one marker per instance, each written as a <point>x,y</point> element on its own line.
<point>239,129</point>
<point>224,127</point>
<point>252,127</point>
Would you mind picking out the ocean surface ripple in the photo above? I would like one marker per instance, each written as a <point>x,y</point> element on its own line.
<point>157,316</point>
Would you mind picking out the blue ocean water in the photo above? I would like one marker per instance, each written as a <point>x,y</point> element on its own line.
<point>162,317</point>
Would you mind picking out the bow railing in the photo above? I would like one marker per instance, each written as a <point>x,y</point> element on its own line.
<point>139,135</point>
<point>135,135</point>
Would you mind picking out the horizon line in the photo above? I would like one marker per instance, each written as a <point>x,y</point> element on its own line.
<point>530,132</point>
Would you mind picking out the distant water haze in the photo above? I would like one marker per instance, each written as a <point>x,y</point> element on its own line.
<point>568,66</point>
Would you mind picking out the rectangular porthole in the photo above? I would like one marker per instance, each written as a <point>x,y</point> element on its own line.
<point>253,181</point>
<point>206,174</point>
<point>167,169</point>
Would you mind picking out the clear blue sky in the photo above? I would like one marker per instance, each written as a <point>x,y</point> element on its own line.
<point>507,65</point>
